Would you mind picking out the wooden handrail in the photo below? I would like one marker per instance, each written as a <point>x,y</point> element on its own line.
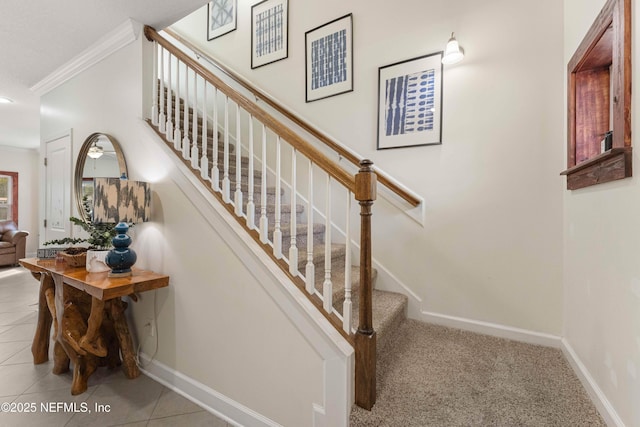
<point>269,121</point>
<point>346,154</point>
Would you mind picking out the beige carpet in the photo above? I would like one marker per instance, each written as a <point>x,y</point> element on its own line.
<point>437,376</point>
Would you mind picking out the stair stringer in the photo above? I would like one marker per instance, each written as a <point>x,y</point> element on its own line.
<point>330,345</point>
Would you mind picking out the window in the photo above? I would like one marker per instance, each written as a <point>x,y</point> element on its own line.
<point>599,101</point>
<point>9,196</point>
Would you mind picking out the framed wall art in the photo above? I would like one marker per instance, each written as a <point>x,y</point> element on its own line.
<point>410,102</point>
<point>329,59</point>
<point>221,18</point>
<point>269,32</point>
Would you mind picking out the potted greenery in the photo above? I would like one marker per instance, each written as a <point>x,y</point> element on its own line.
<point>99,240</point>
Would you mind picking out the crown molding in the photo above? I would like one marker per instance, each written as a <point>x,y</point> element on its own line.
<point>121,36</point>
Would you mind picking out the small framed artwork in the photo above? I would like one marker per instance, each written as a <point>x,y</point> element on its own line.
<point>221,18</point>
<point>329,59</point>
<point>269,32</point>
<point>410,102</point>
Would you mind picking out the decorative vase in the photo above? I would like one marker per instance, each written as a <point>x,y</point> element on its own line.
<point>121,258</point>
<point>96,261</point>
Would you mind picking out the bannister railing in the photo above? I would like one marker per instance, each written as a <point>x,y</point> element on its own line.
<point>273,182</point>
<point>321,137</point>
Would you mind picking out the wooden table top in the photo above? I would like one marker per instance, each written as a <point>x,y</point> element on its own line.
<point>98,285</point>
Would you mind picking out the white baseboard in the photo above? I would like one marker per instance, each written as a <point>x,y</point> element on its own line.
<point>606,410</point>
<point>492,329</point>
<point>217,403</point>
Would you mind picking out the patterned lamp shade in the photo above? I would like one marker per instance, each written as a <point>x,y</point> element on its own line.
<point>120,200</point>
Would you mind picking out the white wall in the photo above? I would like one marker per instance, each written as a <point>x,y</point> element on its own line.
<point>25,162</point>
<point>216,324</point>
<point>491,249</point>
<point>602,257</point>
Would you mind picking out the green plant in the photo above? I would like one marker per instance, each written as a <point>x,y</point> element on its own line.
<point>100,234</point>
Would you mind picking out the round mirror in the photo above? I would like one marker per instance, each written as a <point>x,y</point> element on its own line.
<point>100,157</point>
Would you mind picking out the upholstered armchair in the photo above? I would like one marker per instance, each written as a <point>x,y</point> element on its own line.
<point>12,243</point>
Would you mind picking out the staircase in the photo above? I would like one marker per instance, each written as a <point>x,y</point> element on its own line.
<point>389,308</point>
<point>239,161</point>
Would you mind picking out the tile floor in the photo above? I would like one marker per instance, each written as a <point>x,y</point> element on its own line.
<point>136,403</point>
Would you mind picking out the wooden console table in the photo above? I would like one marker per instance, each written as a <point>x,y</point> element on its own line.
<point>87,312</point>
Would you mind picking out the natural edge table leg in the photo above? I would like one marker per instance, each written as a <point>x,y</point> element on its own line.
<point>71,326</point>
<point>40,346</point>
<point>129,365</point>
<point>92,341</point>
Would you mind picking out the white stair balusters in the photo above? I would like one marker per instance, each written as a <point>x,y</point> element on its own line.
<point>162,119</point>
<point>185,119</point>
<point>310,268</point>
<point>251,207</point>
<point>154,89</point>
<point>226,183</point>
<point>204,160</point>
<point>327,286</point>
<point>293,249</point>
<point>264,221</point>
<point>177,133</point>
<point>194,154</point>
<point>347,304</point>
<point>277,233</point>
<point>238,193</point>
<point>215,170</point>
<point>169,127</point>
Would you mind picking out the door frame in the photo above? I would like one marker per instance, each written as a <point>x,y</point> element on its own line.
<point>43,179</point>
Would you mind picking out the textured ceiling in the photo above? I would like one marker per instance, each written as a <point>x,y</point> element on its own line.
<point>37,37</point>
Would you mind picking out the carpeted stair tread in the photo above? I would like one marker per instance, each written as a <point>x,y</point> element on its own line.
<point>389,311</point>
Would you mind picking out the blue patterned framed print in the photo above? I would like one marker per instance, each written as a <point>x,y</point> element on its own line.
<point>269,32</point>
<point>329,59</point>
<point>222,18</point>
<point>410,102</point>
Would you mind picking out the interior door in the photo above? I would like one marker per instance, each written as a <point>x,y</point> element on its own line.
<point>58,188</point>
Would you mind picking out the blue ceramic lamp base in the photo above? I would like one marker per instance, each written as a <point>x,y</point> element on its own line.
<point>121,258</point>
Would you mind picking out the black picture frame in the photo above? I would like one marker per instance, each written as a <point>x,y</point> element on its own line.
<point>269,32</point>
<point>222,18</point>
<point>410,102</point>
<point>322,44</point>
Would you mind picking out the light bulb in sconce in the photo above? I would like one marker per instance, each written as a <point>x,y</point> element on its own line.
<point>453,53</point>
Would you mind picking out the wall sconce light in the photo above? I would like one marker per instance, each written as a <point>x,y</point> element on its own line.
<point>453,53</point>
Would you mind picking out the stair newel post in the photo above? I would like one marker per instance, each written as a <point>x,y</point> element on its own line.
<point>162,119</point>
<point>215,170</point>
<point>226,184</point>
<point>264,221</point>
<point>194,156</point>
<point>177,133</point>
<point>310,270</point>
<point>185,118</point>
<point>154,88</point>
<point>238,193</point>
<point>251,207</point>
<point>204,160</point>
<point>327,285</point>
<point>277,233</point>
<point>347,304</point>
<point>169,127</point>
<point>365,337</point>
<point>293,249</point>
